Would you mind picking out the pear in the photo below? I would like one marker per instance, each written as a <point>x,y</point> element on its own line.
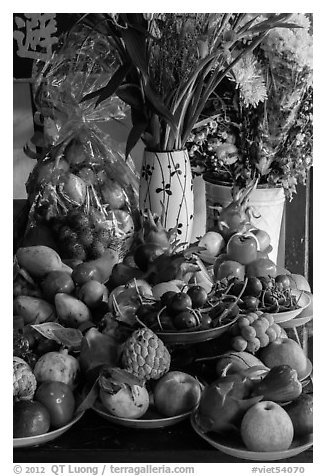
<point>71,311</point>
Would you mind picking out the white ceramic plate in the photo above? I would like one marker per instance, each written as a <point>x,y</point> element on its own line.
<point>304,301</point>
<point>151,419</point>
<point>305,316</point>
<point>233,446</point>
<point>42,439</point>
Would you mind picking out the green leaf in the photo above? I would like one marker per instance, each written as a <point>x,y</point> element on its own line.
<point>89,398</point>
<point>134,135</point>
<point>158,106</point>
<point>135,43</point>
<point>114,83</point>
<point>262,28</point>
<point>131,94</point>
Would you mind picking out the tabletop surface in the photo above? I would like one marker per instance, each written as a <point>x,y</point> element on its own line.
<point>93,439</point>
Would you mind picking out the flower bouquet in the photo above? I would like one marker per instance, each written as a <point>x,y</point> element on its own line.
<point>258,121</point>
<point>170,65</point>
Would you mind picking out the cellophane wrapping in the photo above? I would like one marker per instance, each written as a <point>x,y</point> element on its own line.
<point>82,186</point>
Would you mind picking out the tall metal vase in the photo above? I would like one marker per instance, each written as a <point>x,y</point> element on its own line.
<point>166,189</point>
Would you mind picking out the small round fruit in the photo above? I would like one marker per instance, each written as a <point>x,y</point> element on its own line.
<point>167,297</point>
<point>269,317</point>
<point>252,317</point>
<point>206,321</point>
<point>253,345</point>
<point>254,287</point>
<point>185,320</point>
<point>59,400</point>
<point>239,343</point>
<point>264,340</point>
<point>243,321</point>
<point>248,333</point>
<point>271,333</point>
<point>198,296</point>
<point>179,302</point>
<point>250,303</point>
<point>31,418</point>
<point>283,281</point>
<point>92,293</point>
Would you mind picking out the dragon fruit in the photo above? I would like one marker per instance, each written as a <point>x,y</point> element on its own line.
<point>224,402</point>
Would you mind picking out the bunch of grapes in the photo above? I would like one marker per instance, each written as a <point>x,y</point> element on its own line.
<point>80,237</point>
<point>253,331</point>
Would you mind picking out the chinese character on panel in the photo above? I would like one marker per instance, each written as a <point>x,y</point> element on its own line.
<point>35,35</point>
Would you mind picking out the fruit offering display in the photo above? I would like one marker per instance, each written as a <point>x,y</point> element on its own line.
<point>82,190</point>
<point>92,334</point>
<point>252,404</point>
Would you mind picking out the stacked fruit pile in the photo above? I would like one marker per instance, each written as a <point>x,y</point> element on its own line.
<point>86,330</point>
<point>85,199</point>
<point>265,405</point>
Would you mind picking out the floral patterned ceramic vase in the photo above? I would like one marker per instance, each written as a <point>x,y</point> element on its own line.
<point>166,189</point>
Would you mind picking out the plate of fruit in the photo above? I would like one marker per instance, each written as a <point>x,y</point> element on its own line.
<point>41,439</point>
<point>246,417</point>
<point>128,401</point>
<point>234,446</point>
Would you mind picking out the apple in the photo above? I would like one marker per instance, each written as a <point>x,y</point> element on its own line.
<point>301,414</point>
<point>261,267</point>
<point>229,269</point>
<point>284,351</point>
<point>263,238</point>
<point>176,393</point>
<point>213,242</point>
<point>242,248</point>
<point>266,426</point>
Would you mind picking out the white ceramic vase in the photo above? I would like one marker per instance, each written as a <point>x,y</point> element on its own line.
<point>166,189</point>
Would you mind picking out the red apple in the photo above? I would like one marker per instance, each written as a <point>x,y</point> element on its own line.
<point>242,248</point>
<point>267,427</point>
<point>176,393</point>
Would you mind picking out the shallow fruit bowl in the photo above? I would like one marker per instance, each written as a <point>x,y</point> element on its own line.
<point>301,319</point>
<point>46,437</point>
<point>193,337</point>
<point>304,301</point>
<point>233,445</point>
<point>151,419</point>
